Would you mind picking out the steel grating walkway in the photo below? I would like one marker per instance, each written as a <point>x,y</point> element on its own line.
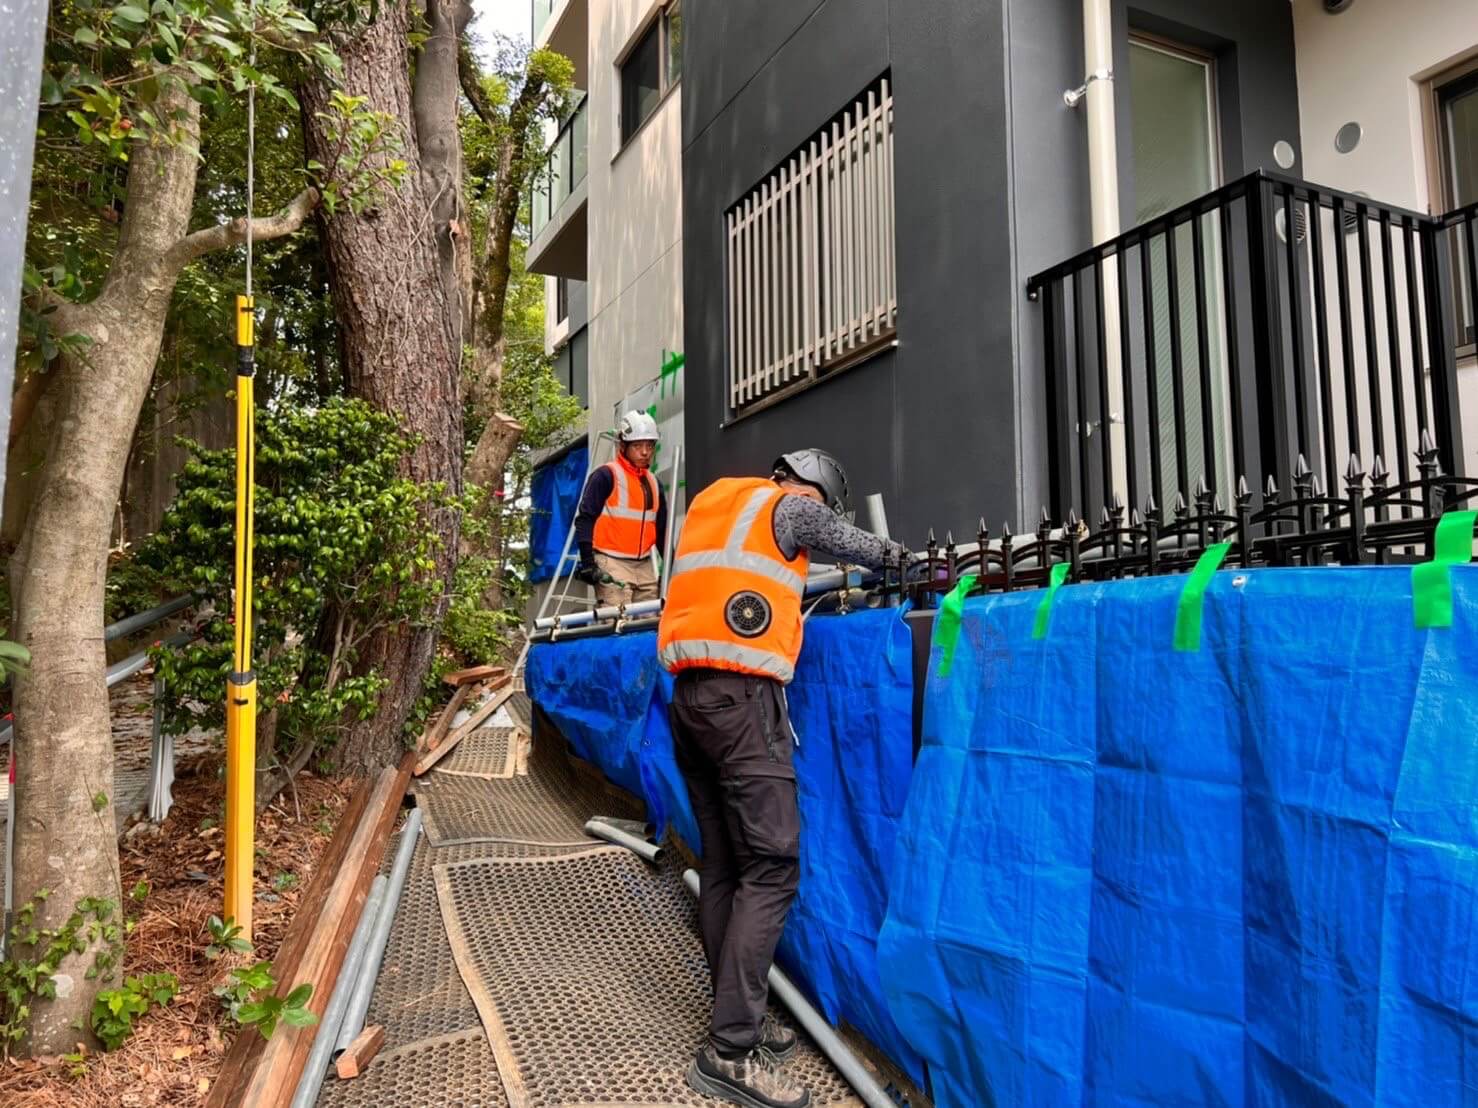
<point>585,961</point>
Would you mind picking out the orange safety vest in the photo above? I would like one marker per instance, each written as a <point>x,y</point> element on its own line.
<point>626,528</point>
<point>733,599</point>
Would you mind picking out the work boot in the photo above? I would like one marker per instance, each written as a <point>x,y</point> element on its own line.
<point>754,1080</point>
<point>776,1038</point>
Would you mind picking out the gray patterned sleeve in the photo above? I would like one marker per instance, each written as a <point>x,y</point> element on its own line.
<point>804,524</point>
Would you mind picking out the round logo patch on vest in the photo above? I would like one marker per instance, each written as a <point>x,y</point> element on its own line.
<point>747,614</point>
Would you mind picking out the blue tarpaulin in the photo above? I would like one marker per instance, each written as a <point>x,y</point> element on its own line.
<point>851,704</point>
<point>555,495</point>
<point>1246,875</point>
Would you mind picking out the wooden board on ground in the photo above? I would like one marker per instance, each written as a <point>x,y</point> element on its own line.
<point>360,1052</point>
<point>274,1077</point>
<point>429,758</point>
<point>476,673</point>
<point>432,736</point>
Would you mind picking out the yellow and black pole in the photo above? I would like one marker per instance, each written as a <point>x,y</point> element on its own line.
<point>241,686</point>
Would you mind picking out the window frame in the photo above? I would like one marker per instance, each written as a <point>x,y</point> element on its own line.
<point>659,24</point>
<point>1185,52</point>
<point>561,300</point>
<point>1440,199</point>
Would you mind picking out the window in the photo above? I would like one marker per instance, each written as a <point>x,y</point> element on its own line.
<point>650,69</point>
<point>572,366</point>
<point>1450,107</point>
<point>561,299</point>
<point>811,282</point>
<point>1172,105</point>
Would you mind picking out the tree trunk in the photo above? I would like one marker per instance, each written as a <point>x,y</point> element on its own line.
<point>436,96</point>
<point>65,838</point>
<point>400,348</point>
<point>486,469</point>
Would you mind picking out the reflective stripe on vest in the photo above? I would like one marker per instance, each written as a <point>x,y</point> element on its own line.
<point>707,651</point>
<point>624,528</point>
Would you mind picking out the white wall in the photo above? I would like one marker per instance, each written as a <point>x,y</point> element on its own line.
<point>1366,65</point>
<point>635,220</point>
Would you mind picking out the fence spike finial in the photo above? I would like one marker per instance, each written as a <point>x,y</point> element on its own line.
<point>1301,468</point>
<point>1006,532</point>
<point>1243,492</point>
<point>1270,491</point>
<point>1316,485</point>
<point>1180,507</point>
<point>1378,471</point>
<point>1353,472</point>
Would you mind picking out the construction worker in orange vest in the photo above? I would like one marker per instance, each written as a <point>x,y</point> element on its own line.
<point>731,632</point>
<point>621,518</point>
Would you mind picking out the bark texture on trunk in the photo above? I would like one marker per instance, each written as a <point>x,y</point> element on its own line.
<point>401,350</point>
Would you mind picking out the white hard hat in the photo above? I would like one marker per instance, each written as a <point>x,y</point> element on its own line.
<point>637,427</point>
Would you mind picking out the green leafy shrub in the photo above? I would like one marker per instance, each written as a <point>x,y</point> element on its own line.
<point>114,1010</point>
<point>342,549</point>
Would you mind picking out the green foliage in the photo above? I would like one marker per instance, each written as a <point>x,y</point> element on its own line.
<point>14,658</point>
<point>114,1010</point>
<point>130,588</point>
<point>224,935</point>
<point>282,882</point>
<point>249,1000</point>
<point>342,550</point>
<point>34,955</point>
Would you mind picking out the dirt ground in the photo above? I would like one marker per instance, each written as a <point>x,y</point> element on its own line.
<point>175,1052</point>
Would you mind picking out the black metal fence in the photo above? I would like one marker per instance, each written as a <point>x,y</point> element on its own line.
<point>1363,518</point>
<point>1269,320</point>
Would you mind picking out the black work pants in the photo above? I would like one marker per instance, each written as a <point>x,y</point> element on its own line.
<point>733,745</point>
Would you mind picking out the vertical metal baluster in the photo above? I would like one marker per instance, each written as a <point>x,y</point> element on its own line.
<point>1177,361</point>
<point>1151,370</point>
<point>1203,353</point>
<point>1080,391</point>
<point>1346,331</point>
<point>1234,361</point>
<point>1372,344</point>
<point>1105,424</point>
<point>1126,367</point>
<point>1302,373</point>
<point>1321,322</point>
<point>1393,337</point>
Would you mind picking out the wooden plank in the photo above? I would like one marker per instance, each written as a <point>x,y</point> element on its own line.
<point>277,1072</point>
<point>429,758</point>
<point>248,1045</point>
<point>435,733</point>
<point>360,1052</point>
<point>474,674</point>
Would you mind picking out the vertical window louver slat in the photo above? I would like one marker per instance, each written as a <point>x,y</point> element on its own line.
<point>811,258</point>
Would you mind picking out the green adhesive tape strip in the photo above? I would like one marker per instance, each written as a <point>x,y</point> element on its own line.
<point>1431,583</point>
<point>947,625</point>
<point>1044,609</point>
<point>1193,597</point>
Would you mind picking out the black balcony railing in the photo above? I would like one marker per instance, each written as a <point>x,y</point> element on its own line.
<point>1268,325</point>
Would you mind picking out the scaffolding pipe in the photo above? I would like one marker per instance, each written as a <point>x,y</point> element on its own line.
<point>838,1053</point>
<point>333,1016</point>
<point>364,984</point>
<point>602,830</point>
<point>125,627</point>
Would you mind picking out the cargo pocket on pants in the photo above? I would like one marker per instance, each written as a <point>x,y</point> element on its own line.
<point>763,805</point>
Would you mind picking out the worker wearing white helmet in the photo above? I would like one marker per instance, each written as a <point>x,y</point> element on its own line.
<point>622,517</point>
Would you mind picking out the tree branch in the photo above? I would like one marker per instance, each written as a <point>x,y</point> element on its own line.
<point>470,74</point>
<point>199,243</point>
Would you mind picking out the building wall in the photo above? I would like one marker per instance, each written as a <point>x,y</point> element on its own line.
<point>930,424</point>
<point>1364,65</point>
<point>634,278</point>
<point>991,186</point>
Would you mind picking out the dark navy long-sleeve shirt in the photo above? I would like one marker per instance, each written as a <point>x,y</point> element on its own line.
<point>593,501</point>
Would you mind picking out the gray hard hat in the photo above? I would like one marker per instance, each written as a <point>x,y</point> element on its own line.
<point>820,469</point>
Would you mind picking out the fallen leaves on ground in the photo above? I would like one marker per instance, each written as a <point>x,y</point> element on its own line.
<point>175,1053</point>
